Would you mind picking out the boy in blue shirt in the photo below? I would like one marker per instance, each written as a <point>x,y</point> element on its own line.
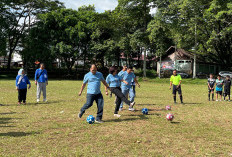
<point>126,86</point>
<point>114,81</point>
<point>121,73</point>
<point>93,79</point>
<point>219,86</point>
<point>21,85</point>
<point>41,81</point>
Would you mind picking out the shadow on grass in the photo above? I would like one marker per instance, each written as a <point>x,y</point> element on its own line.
<point>175,122</point>
<point>18,134</point>
<point>122,120</point>
<point>191,103</point>
<point>146,104</point>
<point>7,113</point>
<point>6,121</point>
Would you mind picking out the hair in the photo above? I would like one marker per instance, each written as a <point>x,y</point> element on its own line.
<point>112,69</point>
<point>42,64</point>
<point>219,75</point>
<point>211,74</point>
<point>227,76</point>
<point>174,70</point>
<point>130,67</point>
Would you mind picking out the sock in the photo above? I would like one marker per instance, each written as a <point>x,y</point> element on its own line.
<point>209,96</point>
<point>212,96</point>
<point>181,98</point>
<point>174,98</point>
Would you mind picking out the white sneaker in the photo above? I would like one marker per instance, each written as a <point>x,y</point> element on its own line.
<point>131,109</point>
<point>117,115</point>
<point>120,109</point>
<point>132,104</point>
<point>216,100</point>
<point>37,100</point>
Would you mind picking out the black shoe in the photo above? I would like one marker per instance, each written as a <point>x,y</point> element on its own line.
<point>80,115</point>
<point>174,102</point>
<point>182,102</point>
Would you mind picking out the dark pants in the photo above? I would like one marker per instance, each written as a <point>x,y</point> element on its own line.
<point>120,97</point>
<point>98,98</point>
<point>22,95</point>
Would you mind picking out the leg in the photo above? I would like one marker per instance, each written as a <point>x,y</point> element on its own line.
<point>24,95</point>
<point>180,94</point>
<point>134,89</point>
<point>209,94</point>
<point>44,92</point>
<point>100,104</point>
<point>120,95</point>
<point>225,96</point>
<point>88,104</point>
<point>174,93</point>
<point>19,95</point>
<point>216,96</point>
<point>212,95</point>
<point>132,95</point>
<point>38,90</point>
<point>125,93</point>
<point>118,102</point>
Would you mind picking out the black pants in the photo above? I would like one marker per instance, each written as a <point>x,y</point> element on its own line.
<point>120,97</point>
<point>22,95</point>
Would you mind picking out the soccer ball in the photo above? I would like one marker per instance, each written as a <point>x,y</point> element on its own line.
<point>168,107</point>
<point>90,119</point>
<point>170,117</point>
<point>145,111</point>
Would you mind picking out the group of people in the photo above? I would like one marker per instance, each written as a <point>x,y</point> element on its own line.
<point>41,81</point>
<point>121,84</point>
<point>218,83</point>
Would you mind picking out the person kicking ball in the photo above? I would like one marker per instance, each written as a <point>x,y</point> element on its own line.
<point>93,79</point>
<point>114,82</point>
<point>175,80</point>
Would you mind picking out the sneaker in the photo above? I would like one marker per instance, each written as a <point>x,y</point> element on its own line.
<point>37,100</point>
<point>216,100</point>
<point>45,100</point>
<point>132,104</point>
<point>99,121</point>
<point>174,102</point>
<point>24,103</point>
<point>131,109</point>
<point>120,109</point>
<point>182,102</point>
<point>228,100</point>
<point>80,115</point>
<point>117,115</point>
<point>19,103</point>
<point>212,99</point>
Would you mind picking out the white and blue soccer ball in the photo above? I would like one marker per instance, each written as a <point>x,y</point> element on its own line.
<point>145,111</point>
<point>90,119</point>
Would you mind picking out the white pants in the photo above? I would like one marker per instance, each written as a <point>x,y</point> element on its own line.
<point>41,87</point>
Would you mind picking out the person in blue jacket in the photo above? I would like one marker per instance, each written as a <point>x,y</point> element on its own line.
<point>41,81</point>
<point>21,85</point>
<point>114,81</point>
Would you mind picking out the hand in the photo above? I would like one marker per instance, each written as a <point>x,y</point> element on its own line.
<point>47,83</point>
<point>178,86</point>
<point>16,88</point>
<point>139,85</point>
<point>126,83</point>
<point>29,86</point>
<point>80,93</point>
<point>170,88</point>
<point>107,93</point>
<point>36,83</point>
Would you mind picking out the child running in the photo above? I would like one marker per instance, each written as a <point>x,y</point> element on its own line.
<point>114,82</point>
<point>21,85</point>
<point>211,86</point>
<point>227,85</point>
<point>219,86</point>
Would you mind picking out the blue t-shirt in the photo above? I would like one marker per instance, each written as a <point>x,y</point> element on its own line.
<point>128,78</point>
<point>219,85</point>
<point>121,73</point>
<point>94,82</point>
<point>113,80</point>
<point>43,77</point>
<point>23,83</point>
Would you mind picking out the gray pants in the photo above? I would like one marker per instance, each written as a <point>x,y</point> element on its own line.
<point>41,87</point>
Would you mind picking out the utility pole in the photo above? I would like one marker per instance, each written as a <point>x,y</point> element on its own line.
<point>144,63</point>
<point>195,47</point>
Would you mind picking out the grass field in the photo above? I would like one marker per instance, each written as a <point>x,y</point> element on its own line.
<point>200,128</point>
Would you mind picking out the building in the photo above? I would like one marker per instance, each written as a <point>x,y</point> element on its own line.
<point>182,60</point>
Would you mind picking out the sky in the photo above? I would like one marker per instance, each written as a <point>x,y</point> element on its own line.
<point>100,5</point>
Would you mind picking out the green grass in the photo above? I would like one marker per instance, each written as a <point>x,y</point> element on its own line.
<point>200,128</point>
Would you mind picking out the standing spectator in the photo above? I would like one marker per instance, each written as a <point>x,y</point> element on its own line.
<point>41,80</point>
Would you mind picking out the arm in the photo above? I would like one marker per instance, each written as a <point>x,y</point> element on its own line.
<point>46,77</point>
<point>179,83</point>
<point>36,72</point>
<point>170,85</point>
<point>16,82</point>
<point>124,82</point>
<point>106,86</point>
<point>136,81</point>
<point>28,82</point>
<point>82,88</point>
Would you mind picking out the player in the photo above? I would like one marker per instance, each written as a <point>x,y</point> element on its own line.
<point>211,86</point>
<point>219,86</point>
<point>175,80</point>
<point>227,85</point>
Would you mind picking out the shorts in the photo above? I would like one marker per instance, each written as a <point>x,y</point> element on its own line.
<point>219,92</point>
<point>227,91</point>
<point>211,90</point>
<point>175,89</point>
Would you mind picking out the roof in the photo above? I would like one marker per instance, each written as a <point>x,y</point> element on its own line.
<point>141,58</point>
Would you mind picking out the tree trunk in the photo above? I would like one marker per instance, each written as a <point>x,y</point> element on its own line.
<point>9,59</point>
<point>145,63</point>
